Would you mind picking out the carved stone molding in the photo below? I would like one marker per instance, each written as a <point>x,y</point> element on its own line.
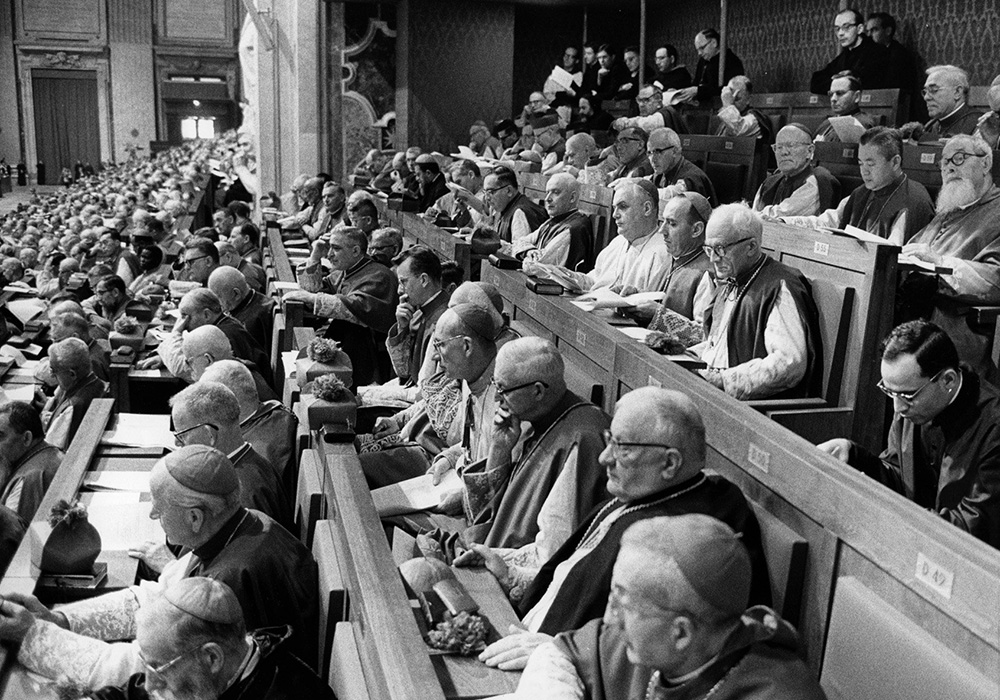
<point>61,59</point>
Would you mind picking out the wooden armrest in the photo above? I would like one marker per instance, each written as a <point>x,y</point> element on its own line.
<point>768,405</point>
<point>982,315</point>
<point>816,424</point>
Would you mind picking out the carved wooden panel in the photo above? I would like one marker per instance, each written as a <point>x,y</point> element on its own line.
<point>73,20</point>
<point>130,21</point>
<point>196,22</point>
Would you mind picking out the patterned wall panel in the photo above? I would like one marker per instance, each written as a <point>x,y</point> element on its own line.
<point>460,69</point>
<point>782,42</point>
<point>130,21</point>
<point>74,20</point>
<point>197,21</point>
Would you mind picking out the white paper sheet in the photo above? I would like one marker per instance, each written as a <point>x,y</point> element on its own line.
<point>129,482</point>
<point>122,525</point>
<point>414,495</point>
<point>140,430</point>
<point>25,392</point>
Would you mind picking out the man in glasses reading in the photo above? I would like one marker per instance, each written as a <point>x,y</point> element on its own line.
<point>944,448</point>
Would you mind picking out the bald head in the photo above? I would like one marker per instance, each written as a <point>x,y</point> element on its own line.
<point>230,285</point>
<point>207,402</point>
<point>579,149</point>
<point>667,417</point>
<point>535,362</point>
<point>239,379</point>
<point>204,346</point>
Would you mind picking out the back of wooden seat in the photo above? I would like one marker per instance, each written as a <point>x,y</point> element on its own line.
<point>728,179</point>
<point>333,603</point>
<point>595,201</point>
<point>308,496</point>
<point>875,652</point>
<point>346,675</point>
<point>719,154</point>
<point>785,552</point>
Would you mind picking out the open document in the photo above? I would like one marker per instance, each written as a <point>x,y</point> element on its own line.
<point>414,495</point>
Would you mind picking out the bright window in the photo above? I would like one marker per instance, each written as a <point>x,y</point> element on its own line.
<point>197,128</point>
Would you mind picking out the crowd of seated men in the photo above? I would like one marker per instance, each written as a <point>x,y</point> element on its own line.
<point>630,566</point>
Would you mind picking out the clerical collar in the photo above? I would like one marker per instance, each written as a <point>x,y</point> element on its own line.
<point>642,240</point>
<point>431,300</point>
<point>891,187</point>
<point>239,453</point>
<point>559,217</point>
<point>543,423</point>
<point>942,120</point>
<point>954,414</point>
<point>217,542</point>
<point>743,280</point>
<point>483,381</point>
<point>682,260</point>
<point>357,266</point>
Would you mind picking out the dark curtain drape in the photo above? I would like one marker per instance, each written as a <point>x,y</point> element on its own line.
<point>67,128</point>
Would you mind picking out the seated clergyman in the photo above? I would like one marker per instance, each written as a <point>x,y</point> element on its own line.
<point>762,334</point>
<point>943,450</point>
<point>566,238</point>
<point>654,458</point>
<point>796,188</point>
<point>195,496</point>
<point>888,203</point>
<point>200,618</point>
<point>636,259</point>
<point>676,626</point>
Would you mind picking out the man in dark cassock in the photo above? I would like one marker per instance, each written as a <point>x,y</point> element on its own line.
<point>514,215</point>
<point>944,442</point>
<point>69,361</point>
<point>654,460</point>
<point>670,72</point>
<point>28,461</point>
<point>207,413</point>
<point>688,289</point>
<point>235,665</point>
<point>738,117</point>
<point>845,101</point>
<point>706,84</point>
<point>199,308</point>
<point>881,28</point>
<point>796,188</point>
<point>195,496</point>
<point>268,426</point>
<point>359,297</point>
<point>630,151</point>
<point>859,54</point>
<point>556,479</point>
<point>946,93</point>
<point>653,114</point>
<point>431,179</point>
<point>254,310</point>
<point>566,238</point>
<point>421,303</point>
<point>762,337</point>
<point>676,627</point>
<point>672,172</point>
<point>888,204</point>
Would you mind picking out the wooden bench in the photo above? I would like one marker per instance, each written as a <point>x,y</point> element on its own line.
<point>394,658</point>
<point>732,164</point>
<point>926,569</point>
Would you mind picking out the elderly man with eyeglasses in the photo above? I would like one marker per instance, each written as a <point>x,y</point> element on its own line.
<point>653,114</point>
<point>629,151</point>
<point>762,336</point>
<point>654,458</point>
<point>673,173</point>
<point>946,92</point>
<point>555,478</point>
<point>208,413</point>
<point>962,238</point>
<point>944,448</point>
<point>195,644</point>
<point>676,626</point>
<point>195,497</point>
<point>796,188</point>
